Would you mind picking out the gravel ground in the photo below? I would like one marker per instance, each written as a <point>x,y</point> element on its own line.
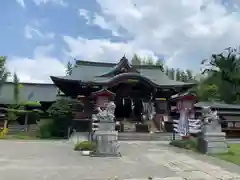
<point>56,160</point>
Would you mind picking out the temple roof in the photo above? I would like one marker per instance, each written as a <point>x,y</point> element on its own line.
<point>99,72</point>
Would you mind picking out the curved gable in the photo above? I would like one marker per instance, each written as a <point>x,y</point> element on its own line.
<point>122,67</point>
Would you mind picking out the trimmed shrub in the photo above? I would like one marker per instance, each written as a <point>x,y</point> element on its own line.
<point>85,146</point>
<point>45,130</point>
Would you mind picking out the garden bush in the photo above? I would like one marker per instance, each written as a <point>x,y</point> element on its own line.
<point>186,144</point>
<point>85,145</point>
<point>61,114</point>
<point>45,130</point>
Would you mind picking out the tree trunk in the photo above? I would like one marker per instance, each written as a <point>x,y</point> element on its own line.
<point>26,122</point>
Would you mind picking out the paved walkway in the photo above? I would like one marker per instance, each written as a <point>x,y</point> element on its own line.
<point>55,160</point>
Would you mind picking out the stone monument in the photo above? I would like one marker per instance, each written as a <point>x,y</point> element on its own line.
<point>105,136</point>
<point>212,135</point>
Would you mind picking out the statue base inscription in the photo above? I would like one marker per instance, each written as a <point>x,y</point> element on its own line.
<point>107,126</point>
<point>107,144</point>
<point>215,140</point>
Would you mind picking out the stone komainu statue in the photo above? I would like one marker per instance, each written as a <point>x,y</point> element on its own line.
<point>210,117</point>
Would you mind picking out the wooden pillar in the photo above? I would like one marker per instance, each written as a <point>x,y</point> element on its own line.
<point>185,106</point>
<point>161,111</point>
<point>26,122</point>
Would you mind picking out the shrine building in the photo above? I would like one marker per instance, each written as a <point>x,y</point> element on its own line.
<point>128,85</point>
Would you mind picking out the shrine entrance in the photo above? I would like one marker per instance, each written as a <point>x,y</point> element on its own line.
<point>130,97</point>
<point>129,101</point>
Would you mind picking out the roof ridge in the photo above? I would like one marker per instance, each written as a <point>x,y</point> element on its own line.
<point>107,64</point>
<point>94,63</point>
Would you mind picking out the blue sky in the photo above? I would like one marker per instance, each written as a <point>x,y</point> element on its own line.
<point>49,17</point>
<point>40,36</point>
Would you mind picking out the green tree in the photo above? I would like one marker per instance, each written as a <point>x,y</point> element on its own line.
<point>136,60</point>
<point>189,75</point>
<point>159,62</point>
<point>13,109</point>
<point>149,61</point>
<point>178,75</point>
<point>171,73</point>
<point>69,68</point>
<point>166,70</point>
<point>224,70</point>
<point>183,76</point>
<point>18,108</point>
<point>207,92</point>
<point>4,73</point>
<point>16,91</point>
<point>61,114</point>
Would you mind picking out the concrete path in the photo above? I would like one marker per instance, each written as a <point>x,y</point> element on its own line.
<point>55,160</point>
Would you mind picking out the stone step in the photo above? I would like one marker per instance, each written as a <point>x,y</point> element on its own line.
<point>145,136</point>
<point>16,129</point>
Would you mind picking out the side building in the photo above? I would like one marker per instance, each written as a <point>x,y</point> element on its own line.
<point>29,93</point>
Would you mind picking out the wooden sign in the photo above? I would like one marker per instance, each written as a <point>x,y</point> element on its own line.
<point>102,101</point>
<point>132,80</point>
<point>160,99</point>
<point>181,105</point>
<point>161,107</point>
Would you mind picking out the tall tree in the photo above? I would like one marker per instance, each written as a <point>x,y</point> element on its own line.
<point>136,60</point>
<point>223,70</point>
<point>178,75</point>
<point>166,70</point>
<point>159,62</point>
<point>189,75</point>
<point>16,92</point>
<point>171,73</point>
<point>149,61</point>
<point>69,68</point>
<point>183,76</point>
<point>4,73</point>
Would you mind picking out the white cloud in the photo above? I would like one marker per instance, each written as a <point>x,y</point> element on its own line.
<point>102,23</point>
<point>184,31</point>
<point>98,20</point>
<point>102,49</point>
<point>38,68</point>
<point>31,32</point>
<point>56,2</point>
<point>21,3</point>
<point>85,14</point>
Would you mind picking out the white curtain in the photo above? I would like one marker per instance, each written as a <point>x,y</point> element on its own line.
<point>183,127</point>
<point>148,110</point>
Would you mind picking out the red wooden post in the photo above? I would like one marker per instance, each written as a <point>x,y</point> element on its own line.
<point>186,105</point>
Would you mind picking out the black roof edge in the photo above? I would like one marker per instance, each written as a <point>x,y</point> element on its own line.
<point>182,86</point>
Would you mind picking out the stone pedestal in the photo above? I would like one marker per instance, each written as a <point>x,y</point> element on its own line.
<point>106,126</point>
<point>107,143</point>
<point>215,140</point>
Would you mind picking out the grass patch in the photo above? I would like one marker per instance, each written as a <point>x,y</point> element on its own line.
<point>232,156</point>
<point>185,144</point>
<point>85,146</point>
<point>21,135</point>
